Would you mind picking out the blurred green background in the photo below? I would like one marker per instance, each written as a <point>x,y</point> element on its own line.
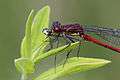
<point>14,13</point>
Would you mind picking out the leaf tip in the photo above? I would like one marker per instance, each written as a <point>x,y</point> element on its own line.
<point>106,61</point>
<point>47,7</point>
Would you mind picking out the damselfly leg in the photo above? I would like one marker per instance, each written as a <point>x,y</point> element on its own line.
<point>57,44</point>
<point>67,56</point>
<point>70,39</point>
<point>78,51</point>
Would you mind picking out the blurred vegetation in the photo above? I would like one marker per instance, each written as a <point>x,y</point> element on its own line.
<point>13,16</point>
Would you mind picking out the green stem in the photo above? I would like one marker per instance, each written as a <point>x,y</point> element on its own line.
<point>24,77</point>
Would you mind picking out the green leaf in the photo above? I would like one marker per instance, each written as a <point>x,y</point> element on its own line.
<point>75,64</point>
<point>40,21</point>
<point>39,51</point>
<point>55,51</point>
<point>24,65</point>
<point>32,40</point>
<point>26,42</point>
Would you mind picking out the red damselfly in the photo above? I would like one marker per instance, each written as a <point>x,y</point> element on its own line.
<point>70,30</point>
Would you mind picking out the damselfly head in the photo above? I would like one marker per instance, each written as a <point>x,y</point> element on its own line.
<point>47,31</point>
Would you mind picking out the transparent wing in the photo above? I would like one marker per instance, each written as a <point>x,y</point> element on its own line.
<point>111,39</point>
<point>112,36</point>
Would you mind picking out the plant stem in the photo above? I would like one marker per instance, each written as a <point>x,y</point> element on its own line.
<point>24,77</point>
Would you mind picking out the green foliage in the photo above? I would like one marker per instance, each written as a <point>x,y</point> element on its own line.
<point>24,65</point>
<point>56,51</point>
<point>33,50</point>
<point>26,43</point>
<point>31,43</point>
<point>74,64</point>
<point>40,21</point>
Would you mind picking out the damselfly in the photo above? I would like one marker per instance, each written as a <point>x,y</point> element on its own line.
<point>69,32</point>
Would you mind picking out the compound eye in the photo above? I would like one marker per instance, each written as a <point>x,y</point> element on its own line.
<point>46,31</point>
<point>56,24</point>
